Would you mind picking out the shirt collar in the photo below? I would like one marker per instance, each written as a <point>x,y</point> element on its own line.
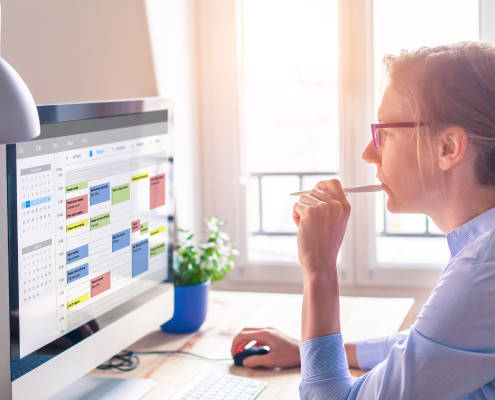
<point>470,231</point>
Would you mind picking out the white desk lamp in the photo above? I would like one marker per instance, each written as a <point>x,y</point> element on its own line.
<point>19,119</point>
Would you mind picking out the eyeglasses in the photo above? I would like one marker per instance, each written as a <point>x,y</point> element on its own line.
<point>376,129</point>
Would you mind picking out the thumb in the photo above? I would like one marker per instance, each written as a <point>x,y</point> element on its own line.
<point>258,361</point>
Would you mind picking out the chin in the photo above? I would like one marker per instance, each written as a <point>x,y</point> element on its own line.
<point>394,208</point>
<point>397,207</point>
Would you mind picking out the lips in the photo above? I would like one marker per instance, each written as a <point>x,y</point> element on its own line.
<point>385,187</point>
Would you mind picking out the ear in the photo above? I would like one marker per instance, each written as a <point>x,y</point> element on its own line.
<point>451,147</point>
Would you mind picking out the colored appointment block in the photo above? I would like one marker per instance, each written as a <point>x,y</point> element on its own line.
<point>158,249</point>
<point>157,191</point>
<point>100,284</point>
<point>121,240</point>
<point>157,231</point>
<point>77,225</point>
<point>136,225</point>
<point>140,261</point>
<point>121,193</point>
<point>144,228</point>
<point>76,206</point>
<point>99,221</point>
<point>79,272</point>
<point>76,187</point>
<point>77,254</point>
<point>99,193</point>
<point>139,177</point>
<point>77,301</point>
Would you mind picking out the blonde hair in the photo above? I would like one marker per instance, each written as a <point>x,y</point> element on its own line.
<point>451,86</point>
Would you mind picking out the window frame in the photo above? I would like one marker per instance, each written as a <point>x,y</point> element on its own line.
<point>220,76</point>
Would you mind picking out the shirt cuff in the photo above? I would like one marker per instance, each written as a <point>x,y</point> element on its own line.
<point>323,356</point>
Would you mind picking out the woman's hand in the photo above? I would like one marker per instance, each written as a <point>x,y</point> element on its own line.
<point>284,350</point>
<point>321,216</point>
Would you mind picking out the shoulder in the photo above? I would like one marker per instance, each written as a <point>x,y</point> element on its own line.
<point>480,250</point>
<point>460,310</point>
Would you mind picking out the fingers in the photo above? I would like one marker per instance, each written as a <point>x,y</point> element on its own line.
<point>297,212</point>
<point>246,336</point>
<point>305,202</point>
<point>334,188</point>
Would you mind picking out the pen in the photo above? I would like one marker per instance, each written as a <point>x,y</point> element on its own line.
<point>359,189</point>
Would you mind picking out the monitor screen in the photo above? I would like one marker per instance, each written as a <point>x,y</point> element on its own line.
<point>89,210</point>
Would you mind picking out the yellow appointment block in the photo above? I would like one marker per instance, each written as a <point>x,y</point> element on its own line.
<point>140,176</point>
<point>77,301</point>
<point>77,225</point>
<point>157,230</point>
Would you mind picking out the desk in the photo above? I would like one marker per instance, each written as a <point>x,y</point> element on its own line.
<point>228,313</point>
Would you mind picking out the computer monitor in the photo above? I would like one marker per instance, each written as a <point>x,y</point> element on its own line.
<point>86,219</point>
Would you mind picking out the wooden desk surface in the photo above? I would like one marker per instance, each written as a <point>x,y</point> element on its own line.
<point>228,313</point>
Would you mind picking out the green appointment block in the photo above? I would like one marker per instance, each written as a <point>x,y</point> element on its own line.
<point>144,228</point>
<point>99,221</point>
<point>121,193</point>
<point>158,249</point>
<point>77,186</point>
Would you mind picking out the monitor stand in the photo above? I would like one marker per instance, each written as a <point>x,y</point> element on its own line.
<point>96,388</point>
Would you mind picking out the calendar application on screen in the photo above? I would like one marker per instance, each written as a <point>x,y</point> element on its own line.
<point>92,227</point>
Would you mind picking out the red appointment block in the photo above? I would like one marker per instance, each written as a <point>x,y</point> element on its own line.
<point>157,191</point>
<point>136,225</point>
<point>100,284</point>
<point>76,206</point>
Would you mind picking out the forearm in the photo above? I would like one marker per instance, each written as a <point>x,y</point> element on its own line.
<point>350,352</point>
<point>320,311</point>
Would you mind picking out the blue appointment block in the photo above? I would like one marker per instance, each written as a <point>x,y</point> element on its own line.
<point>78,272</point>
<point>99,194</point>
<point>121,240</point>
<point>140,257</point>
<point>77,254</point>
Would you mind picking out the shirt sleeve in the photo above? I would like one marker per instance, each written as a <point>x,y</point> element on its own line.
<point>448,353</point>
<point>371,352</point>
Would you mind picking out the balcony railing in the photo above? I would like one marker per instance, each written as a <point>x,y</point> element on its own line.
<point>258,176</point>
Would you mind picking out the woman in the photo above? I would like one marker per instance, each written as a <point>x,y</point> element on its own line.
<point>435,155</point>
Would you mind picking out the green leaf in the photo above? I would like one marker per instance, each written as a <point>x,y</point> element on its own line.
<point>211,259</point>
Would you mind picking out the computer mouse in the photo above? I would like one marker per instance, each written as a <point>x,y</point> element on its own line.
<point>251,351</point>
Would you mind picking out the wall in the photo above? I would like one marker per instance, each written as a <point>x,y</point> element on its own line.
<point>72,51</point>
<point>91,50</point>
<point>174,42</point>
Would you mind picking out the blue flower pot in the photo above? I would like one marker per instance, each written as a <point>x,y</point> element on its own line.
<point>190,306</point>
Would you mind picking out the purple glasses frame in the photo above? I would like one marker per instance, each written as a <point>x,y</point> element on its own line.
<point>375,127</point>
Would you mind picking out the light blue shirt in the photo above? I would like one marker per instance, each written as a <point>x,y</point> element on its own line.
<point>448,353</point>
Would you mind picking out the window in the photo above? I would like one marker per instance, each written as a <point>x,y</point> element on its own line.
<point>306,76</point>
<point>290,88</point>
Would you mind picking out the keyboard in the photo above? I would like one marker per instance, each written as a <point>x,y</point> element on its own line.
<point>221,387</point>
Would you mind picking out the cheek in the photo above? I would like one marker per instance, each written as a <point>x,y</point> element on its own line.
<point>401,174</point>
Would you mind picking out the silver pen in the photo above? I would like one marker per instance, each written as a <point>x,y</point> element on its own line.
<point>359,189</point>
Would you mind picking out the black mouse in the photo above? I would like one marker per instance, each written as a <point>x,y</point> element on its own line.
<point>251,351</point>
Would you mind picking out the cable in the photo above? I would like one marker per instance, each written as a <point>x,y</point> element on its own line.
<point>124,361</point>
<point>128,360</point>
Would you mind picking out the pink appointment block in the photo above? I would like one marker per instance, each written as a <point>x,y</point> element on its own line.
<point>157,191</point>
<point>100,284</point>
<point>136,225</point>
<point>76,206</point>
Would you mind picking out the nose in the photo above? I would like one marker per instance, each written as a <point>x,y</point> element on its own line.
<point>371,154</point>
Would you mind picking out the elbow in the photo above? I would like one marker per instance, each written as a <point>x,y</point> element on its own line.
<point>325,389</point>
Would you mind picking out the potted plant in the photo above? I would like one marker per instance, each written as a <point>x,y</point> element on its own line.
<point>195,268</point>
